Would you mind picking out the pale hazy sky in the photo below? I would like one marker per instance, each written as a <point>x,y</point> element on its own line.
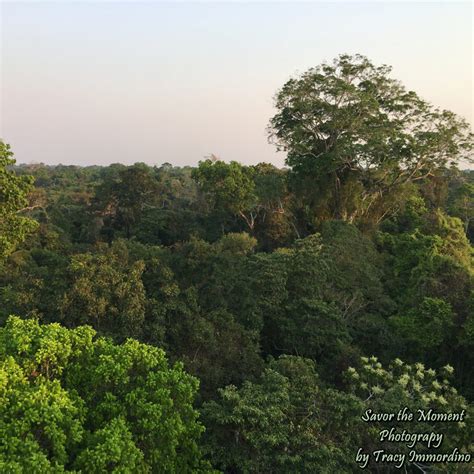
<point>103,82</point>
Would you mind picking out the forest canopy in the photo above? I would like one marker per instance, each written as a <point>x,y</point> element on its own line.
<point>243,318</point>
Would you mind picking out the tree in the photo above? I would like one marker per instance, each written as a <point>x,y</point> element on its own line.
<point>215,348</point>
<point>275,226</point>
<point>355,137</point>
<point>429,276</point>
<point>73,402</point>
<point>13,200</point>
<point>228,187</point>
<point>32,284</point>
<point>270,187</point>
<point>105,291</point>
<point>283,422</point>
<point>289,421</point>
<point>213,323</point>
<point>424,329</point>
<point>461,198</point>
<point>319,293</point>
<point>123,197</point>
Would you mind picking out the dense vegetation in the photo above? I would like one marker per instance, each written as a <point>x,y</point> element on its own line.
<point>297,297</point>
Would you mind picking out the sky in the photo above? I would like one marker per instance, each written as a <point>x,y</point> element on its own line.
<point>105,82</point>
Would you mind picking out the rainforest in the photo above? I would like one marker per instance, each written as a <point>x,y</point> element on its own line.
<point>248,318</point>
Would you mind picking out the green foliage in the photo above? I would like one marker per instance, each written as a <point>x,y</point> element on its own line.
<point>428,262</point>
<point>14,190</point>
<point>425,328</point>
<point>216,348</point>
<point>214,321</point>
<point>284,422</point>
<point>72,402</point>
<point>106,291</point>
<point>32,284</point>
<point>228,187</point>
<point>460,200</point>
<point>123,198</point>
<point>324,292</point>
<point>290,421</point>
<point>354,137</point>
<point>364,242</point>
<point>111,447</point>
<point>237,244</point>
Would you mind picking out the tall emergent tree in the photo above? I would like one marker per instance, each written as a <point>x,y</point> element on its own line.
<point>356,138</point>
<point>13,199</point>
